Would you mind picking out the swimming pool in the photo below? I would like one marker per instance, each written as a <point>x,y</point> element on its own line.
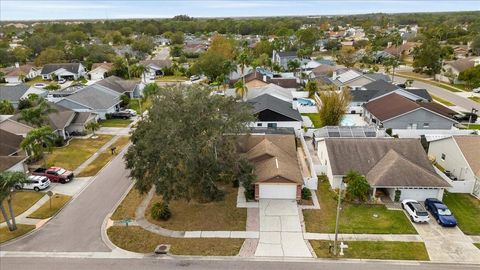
<point>306,102</point>
<point>347,121</point>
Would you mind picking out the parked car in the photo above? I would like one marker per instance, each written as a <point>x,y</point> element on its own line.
<point>194,78</point>
<point>34,182</point>
<point>39,85</point>
<point>415,210</point>
<point>476,90</point>
<point>131,112</point>
<point>55,174</point>
<point>120,115</point>
<point>466,117</point>
<point>62,81</point>
<point>440,212</point>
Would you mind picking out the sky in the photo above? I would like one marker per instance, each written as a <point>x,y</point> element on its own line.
<point>89,9</point>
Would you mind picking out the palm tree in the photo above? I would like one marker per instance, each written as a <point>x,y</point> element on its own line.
<point>6,107</point>
<point>241,89</point>
<point>293,65</point>
<point>138,70</point>
<point>37,116</point>
<point>243,61</point>
<point>93,126</point>
<point>37,141</point>
<point>8,181</point>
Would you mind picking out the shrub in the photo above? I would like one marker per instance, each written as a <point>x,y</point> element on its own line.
<point>358,187</point>
<point>160,211</point>
<point>250,193</point>
<point>59,141</point>
<point>306,194</point>
<point>389,131</point>
<point>235,183</point>
<point>52,86</point>
<point>398,193</point>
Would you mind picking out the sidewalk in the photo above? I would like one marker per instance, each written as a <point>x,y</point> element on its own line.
<point>22,218</point>
<point>87,162</point>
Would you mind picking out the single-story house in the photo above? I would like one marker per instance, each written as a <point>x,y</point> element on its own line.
<point>276,166</point>
<point>14,93</point>
<point>398,112</point>
<point>131,88</point>
<point>459,155</point>
<point>451,69</point>
<point>17,74</point>
<point>67,71</point>
<point>262,77</point>
<point>271,89</point>
<point>155,67</point>
<point>12,157</point>
<point>355,78</point>
<point>99,71</point>
<point>388,165</point>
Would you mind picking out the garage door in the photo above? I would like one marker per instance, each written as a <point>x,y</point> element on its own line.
<point>277,191</point>
<point>419,194</point>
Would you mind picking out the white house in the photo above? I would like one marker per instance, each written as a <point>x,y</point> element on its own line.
<point>17,74</point>
<point>99,71</point>
<point>67,71</point>
<point>155,67</point>
<point>461,156</point>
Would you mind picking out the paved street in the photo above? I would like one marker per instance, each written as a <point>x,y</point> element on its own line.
<point>212,264</point>
<point>78,226</point>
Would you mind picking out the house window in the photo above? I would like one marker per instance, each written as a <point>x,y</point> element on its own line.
<point>443,156</point>
<point>426,125</point>
<point>259,124</point>
<point>272,125</point>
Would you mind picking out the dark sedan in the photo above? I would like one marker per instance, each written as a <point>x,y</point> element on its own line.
<point>440,212</point>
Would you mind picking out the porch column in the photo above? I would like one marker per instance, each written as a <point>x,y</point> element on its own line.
<point>374,192</point>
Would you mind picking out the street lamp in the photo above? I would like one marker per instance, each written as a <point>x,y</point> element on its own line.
<point>474,111</point>
<point>338,218</point>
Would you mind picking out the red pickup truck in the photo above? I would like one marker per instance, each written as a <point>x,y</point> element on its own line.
<point>55,174</point>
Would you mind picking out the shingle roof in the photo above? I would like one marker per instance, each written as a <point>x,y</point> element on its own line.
<point>10,143</point>
<point>21,70</point>
<point>158,63</point>
<point>13,92</point>
<point>71,67</point>
<point>57,120</point>
<point>287,54</point>
<point>106,66</point>
<point>271,89</point>
<point>6,162</point>
<point>118,84</point>
<point>380,85</point>
<point>268,102</point>
<point>390,106</point>
<point>461,64</point>
<point>470,147</point>
<point>95,97</point>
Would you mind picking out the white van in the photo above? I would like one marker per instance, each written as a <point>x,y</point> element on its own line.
<point>35,182</point>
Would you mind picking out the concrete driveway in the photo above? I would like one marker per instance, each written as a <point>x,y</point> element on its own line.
<point>280,230</point>
<point>447,244</point>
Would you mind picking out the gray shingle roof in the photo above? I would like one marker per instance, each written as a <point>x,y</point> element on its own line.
<point>268,102</point>
<point>118,84</point>
<point>71,67</point>
<point>13,93</point>
<point>95,97</point>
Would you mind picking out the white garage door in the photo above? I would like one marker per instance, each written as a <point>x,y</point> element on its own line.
<point>419,194</point>
<point>277,191</point>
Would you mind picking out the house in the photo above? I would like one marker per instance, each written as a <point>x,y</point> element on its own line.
<point>131,88</point>
<point>67,71</point>
<point>14,93</point>
<point>398,51</point>
<point>99,71</point>
<point>398,112</point>
<point>262,77</point>
<point>352,78</point>
<point>17,74</point>
<point>12,157</point>
<point>460,156</point>
<point>347,132</point>
<point>451,69</point>
<point>282,58</point>
<point>322,70</point>
<point>279,92</point>
<point>155,67</point>
<point>276,166</point>
<point>389,165</point>
<point>273,112</point>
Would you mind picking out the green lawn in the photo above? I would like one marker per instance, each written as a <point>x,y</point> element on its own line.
<point>354,218</point>
<point>136,239</point>
<point>22,229</point>
<point>472,126</point>
<point>22,201</point>
<point>432,82</point>
<point>476,99</point>
<point>375,250</point>
<point>466,210</point>
<point>38,79</point>
<point>477,245</point>
<point>443,101</point>
<point>77,152</point>
<point>315,117</point>
<point>171,78</point>
<point>115,122</point>
<point>45,211</point>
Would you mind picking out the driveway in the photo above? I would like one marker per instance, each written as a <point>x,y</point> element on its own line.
<point>447,244</point>
<point>280,231</point>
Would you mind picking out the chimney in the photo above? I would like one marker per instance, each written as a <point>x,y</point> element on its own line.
<point>17,65</point>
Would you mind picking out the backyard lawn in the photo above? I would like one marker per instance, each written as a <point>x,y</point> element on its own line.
<point>466,210</point>
<point>354,218</point>
<point>104,157</point>
<point>77,152</point>
<point>375,250</point>
<point>127,208</point>
<point>136,239</point>
<point>214,216</point>
<point>115,122</point>
<point>45,211</point>
<point>315,117</point>
<point>22,229</point>
<point>22,201</point>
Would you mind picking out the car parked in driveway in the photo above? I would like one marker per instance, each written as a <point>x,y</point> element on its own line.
<point>415,211</point>
<point>120,115</point>
<point>440,212</point>
<point>55,174</point>
<point>34,182</point>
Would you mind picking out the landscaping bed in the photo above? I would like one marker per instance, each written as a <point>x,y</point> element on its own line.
<point>375,250</point>
<point>127,208</point>
<point>46,211</point>
<point>115,123</point>
<point>136,239</point>
<point>22,229</point>
<point>315,117</point>
<point>466,210</point>
<point>354,218</point>
<point>22,201</point>
<point>192,216</point>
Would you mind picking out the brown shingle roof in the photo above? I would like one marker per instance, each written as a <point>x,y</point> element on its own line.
<point>9,143</point>
<point>461,64</point>
<point>106,66</point>
<point>470,147</point>
<point>9,161</point>
<point>390,106</point>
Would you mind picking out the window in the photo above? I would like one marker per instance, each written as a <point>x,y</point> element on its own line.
<point>426,125</point>
<point>443,156</point>
<point>259,124</point>
<point>272,125</point>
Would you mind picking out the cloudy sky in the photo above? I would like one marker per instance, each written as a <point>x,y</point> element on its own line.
<point>88,9</point>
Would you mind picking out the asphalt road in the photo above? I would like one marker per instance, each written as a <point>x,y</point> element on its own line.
<point>443,93</point>
<point>78,226</point>
<point>197,264</point>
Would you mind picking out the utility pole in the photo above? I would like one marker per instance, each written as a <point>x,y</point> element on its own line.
<point>337,219</point>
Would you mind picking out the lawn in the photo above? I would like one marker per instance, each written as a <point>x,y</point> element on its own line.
<point>466,210</point>
<point>415,76</point>
<point>214,216</point>
<point>45,211</point>
<point>115,122</point>
<point>315,117</point>
<point>22,229</point>
<point>171,78</point>
<point>354,218</point>
<point>104,157</point>
<point>375,250</point>
<point>476,99</point>
<point>136,102</point>
<point>473,126</point>
<point>443,101</point>
<point>77,152</point>
<point>136,239</point>
<point>127,208</point>
<point>477,245</point>
<point>22,201</point>
<point>38,79</point>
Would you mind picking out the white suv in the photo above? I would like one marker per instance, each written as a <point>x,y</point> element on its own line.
<point>35,182</point>
<point>415,210</point>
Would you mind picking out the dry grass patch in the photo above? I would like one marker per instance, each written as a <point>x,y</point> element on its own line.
<point>22,201</point>
<point>136,239</point>
<point>214,216</point>
<point>47,210</point>
<point>6,235</point>
<point>126,209</point>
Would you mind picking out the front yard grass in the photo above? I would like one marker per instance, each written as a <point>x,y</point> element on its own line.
<point>136,239</point>
<point>476,99</point>
<point>22,229</point>
<point>115,122</point>
<point>127,208</point>
<point>315,117</point>
<point>77,152</point>
<point>171,78</point>
<point>354,218</point>
<point>466,210</point>
<point>214,216</point>
<point>104,157</point>
<point>45,211</point>
<point>443,101</point>
<point>415,76</point>
<point>22,201</point>
<point>473,126</point>
<point>477,245</point>
<point>375,250</point>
